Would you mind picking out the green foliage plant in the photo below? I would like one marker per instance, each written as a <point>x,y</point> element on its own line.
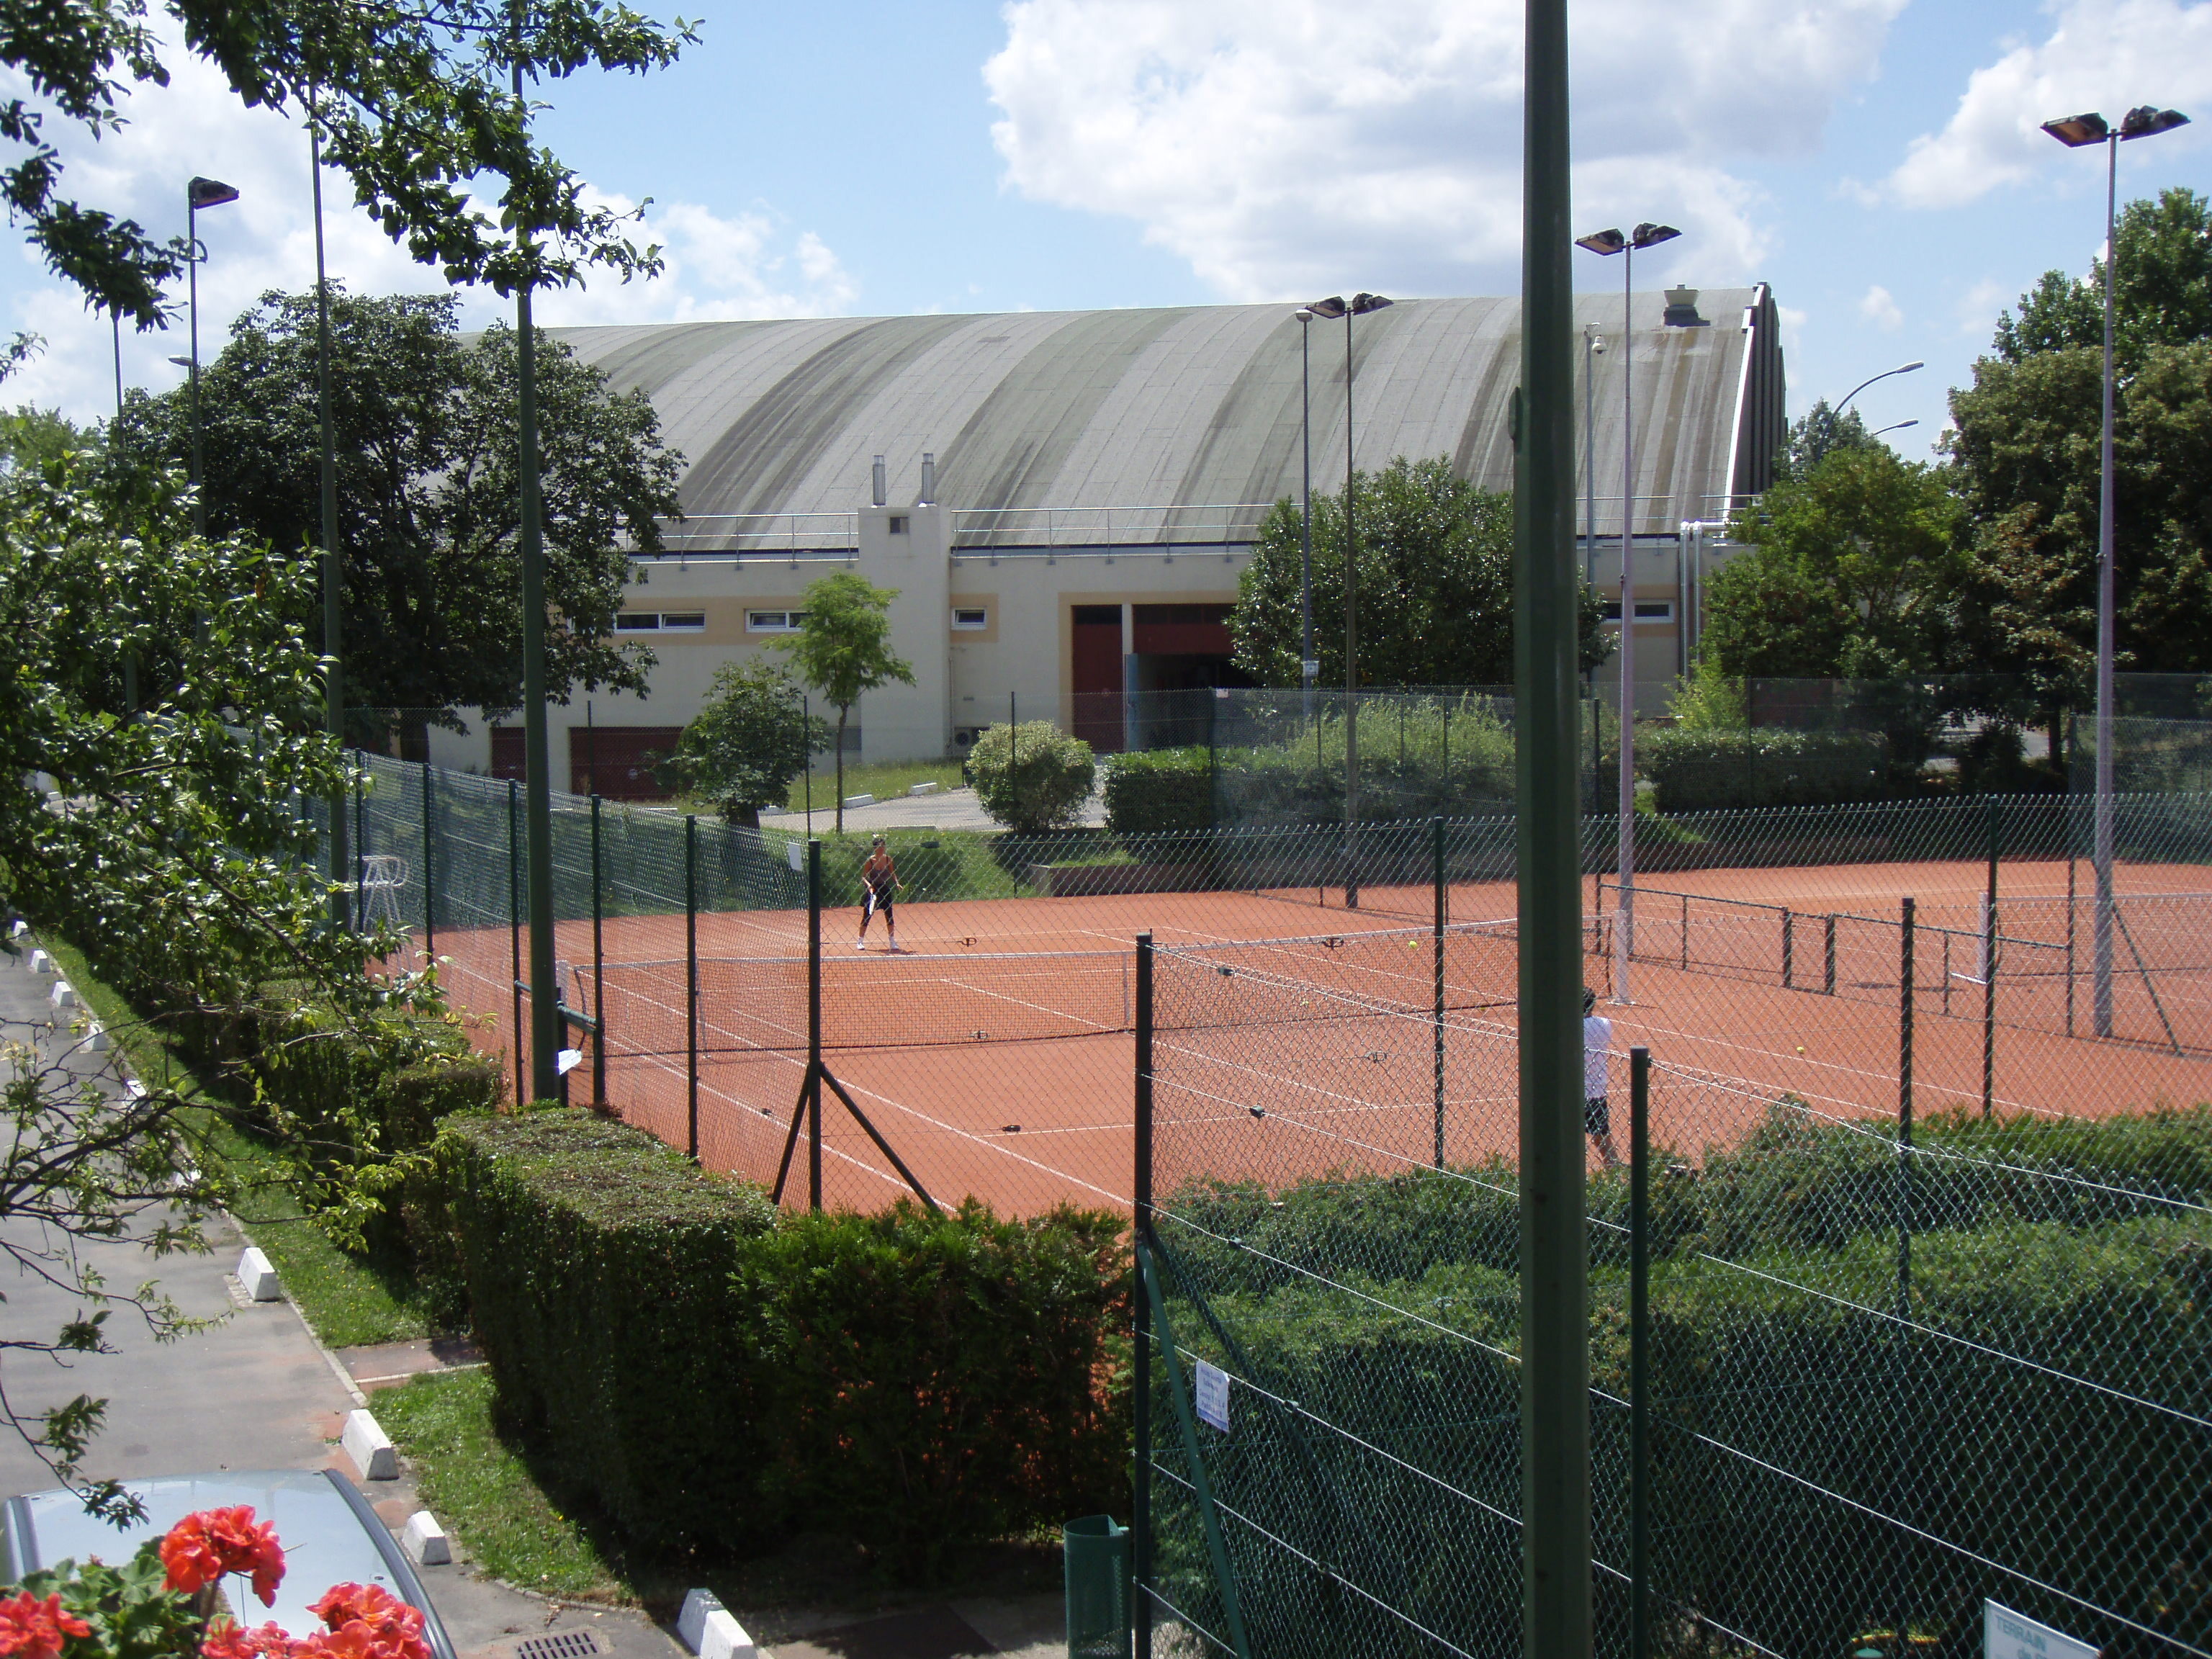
<point>743,750</point>
<point>1707,700</point>
<point>1032,777</point>
<point>1693,769</point>
<point>843,649</point>
<point>719,1375</point>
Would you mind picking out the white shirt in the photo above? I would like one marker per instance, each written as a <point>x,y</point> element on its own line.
<point>1597,1039</point>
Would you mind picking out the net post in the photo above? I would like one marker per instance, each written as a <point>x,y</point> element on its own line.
<point>1436,856</point>
<point>1828,954</point>
<point>514,937</point>
<point>814,1025</point>
<point>1141,1185</point>
<point>1789,946</point>
<point>1640,1352</point>
<point>429,873</point>
<point>598,968</point>
<point>691,985</point>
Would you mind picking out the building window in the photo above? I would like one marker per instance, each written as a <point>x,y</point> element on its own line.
<point>898,524</point>
<point>1647,611</point>
<point>774,621</point>
<point>682,621</point>
<point>637,622</point>
<point>970,616</point>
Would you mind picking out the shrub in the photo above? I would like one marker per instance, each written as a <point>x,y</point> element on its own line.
<point>1157,790</point>
<point>1697,769</point>
<point>721,1374</point>
<point>1032,776</point>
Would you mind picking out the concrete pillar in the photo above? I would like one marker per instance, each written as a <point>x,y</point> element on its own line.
<point>909,549</point>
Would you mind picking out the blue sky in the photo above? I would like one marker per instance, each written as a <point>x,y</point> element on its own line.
<point>1874,160</point>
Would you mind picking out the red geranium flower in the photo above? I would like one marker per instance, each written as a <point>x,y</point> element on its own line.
<point>227,1639</point>
<point>367,1621</point>
<point>202,1547</point>
<point>35,1629</point>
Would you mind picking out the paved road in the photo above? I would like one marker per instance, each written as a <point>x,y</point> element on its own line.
<point>953,809</point>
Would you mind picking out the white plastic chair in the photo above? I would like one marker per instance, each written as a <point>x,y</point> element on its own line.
<point>382,876</point>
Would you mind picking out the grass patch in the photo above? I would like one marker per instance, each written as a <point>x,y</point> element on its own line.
<point>882,778</point>
<point>486,1490</point>
<point>347,1299</point>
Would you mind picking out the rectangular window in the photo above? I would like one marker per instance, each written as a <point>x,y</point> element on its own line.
<point>637,622</point>
<point>898,524</point>
<point>685,621</point>
<point>971,617</point>
<point>774,621</point>
<point>1647,611</point>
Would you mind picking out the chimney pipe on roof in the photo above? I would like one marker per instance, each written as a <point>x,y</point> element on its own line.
<point>879,493</point>
<point>928,478</point>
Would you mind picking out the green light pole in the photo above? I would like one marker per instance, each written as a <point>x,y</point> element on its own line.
<point>1555,1462</point>
<point>537,780</point>
<point>199,193</point>
<point>333,578</point>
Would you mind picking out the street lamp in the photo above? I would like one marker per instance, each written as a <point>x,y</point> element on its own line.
<point>1609,242</point>
<point>333,580</point>
<point>2075,132</point>
<point>1333,307</point>
<point>1309,668</point>
<point>199,193</point>
<point>1902,368</point>
<point>1593,349</point>
<point>1894,426</point>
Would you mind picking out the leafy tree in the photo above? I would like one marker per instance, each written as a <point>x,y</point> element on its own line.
<point>1818,434</point>
<point>1848,574</point>
<point>416,103</point>
<point>751,740</point>
<point>1435,585</point>
<point>844,648</point>
<point>1032,776</point>
<point>429,516</point>
<point>31,437</point>
<point>2163,295</point>
<point>180,859</point>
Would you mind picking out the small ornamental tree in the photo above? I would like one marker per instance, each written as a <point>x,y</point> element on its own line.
<point>844,648</point>
<point>1032,776</point>
<point>752,738</point>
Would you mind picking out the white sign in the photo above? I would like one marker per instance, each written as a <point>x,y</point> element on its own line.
<point>1213,1396</point>
<point>797,855</point>
<point>2009,1635</point>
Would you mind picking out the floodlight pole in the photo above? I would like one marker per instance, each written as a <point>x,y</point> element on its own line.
<point>2100,829</point>
<point>1624,932</point>
<point>333,589</point>
<point>1351,646</point>
<point>1555,1478</point>
<point>1308,668</point>
<point>545,1033</point>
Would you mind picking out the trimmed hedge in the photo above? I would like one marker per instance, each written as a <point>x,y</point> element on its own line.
<point>1693,771</point>
<point>720,1374</point>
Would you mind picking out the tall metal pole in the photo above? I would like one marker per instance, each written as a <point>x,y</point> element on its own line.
<point>129,658</point>
<point>2100,844</point>
<point>1308,669</point>
<point>544,1011</point>
<point>1351,649</point>
<point>192,268</point>
<point>333,580</point>
<point>1142,1186</point>
<point>1554,1277</point>
<point>1624,932</point>
<point>1640,1352</point>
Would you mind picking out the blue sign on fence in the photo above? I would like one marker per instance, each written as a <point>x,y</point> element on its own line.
<point>1213,1396</point>
<point>2009,1635</point>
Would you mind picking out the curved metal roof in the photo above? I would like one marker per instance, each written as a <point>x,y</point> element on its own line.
<point>1184,406</point>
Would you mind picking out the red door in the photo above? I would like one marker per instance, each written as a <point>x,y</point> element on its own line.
<point>1097,676</point>
<point>620,760</point>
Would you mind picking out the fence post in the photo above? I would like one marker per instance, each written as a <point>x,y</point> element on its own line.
<point>1141,1563</point>
<point>1990,964</point>
<point>1904,1114</point>
<point>2072,966</point>
<point>814,1024</point>
<point>1789,946</point>
<point>1640,1352</point>
<point>598,968</point>
<point>515,936</point>
<point>1828,952</point>
<point>691,985</point>
<point>360,845</point>
<point>429,873</point>
<point>1437,851</point>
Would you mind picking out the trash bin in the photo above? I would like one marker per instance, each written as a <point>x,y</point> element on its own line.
<point>1097,1555</point>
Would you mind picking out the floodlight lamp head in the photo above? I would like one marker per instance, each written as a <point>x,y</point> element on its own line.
<point>1303,313</point>
<point>210,192</point>
<point>2148,120</point>
<point>1650,235</point>
<point>1602,241</point>
<point>1363,303</point>
<point>2075,130</point>
<point>1333,307</point>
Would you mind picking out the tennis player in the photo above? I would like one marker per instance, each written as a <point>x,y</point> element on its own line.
<point>1597,1045</point>
<point>880,877</point>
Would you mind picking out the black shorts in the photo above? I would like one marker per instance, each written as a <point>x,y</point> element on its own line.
<point>1597,1118</point>
<point>877,902</point>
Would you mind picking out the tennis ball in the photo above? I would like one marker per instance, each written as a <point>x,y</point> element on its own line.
<point>1801,1048</point>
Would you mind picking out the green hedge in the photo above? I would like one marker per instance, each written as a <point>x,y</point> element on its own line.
<point>1695,771</point>
<point>1777,1369</point>
<point>718,1373</point>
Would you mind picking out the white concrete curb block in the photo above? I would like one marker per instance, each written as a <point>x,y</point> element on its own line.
<point>691,1622</point>
<point>257,1276</point>
<point>860,800</point>
<point>724,1638</point>
<point>42,962</point>
<point>425,1540</point>
<point>18,928</point>
<point>369,1447</point>
<point>64,995</point>
<point>927,786</point>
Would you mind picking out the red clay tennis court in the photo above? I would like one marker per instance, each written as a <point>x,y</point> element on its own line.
<point>996,1055</point>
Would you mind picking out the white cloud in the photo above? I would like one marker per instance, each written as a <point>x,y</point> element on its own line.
<point>749,266</point>
<point>1978,305</point>
<point>2099,55</point>
<point>1878,309</point>
<point>1280,146</point>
